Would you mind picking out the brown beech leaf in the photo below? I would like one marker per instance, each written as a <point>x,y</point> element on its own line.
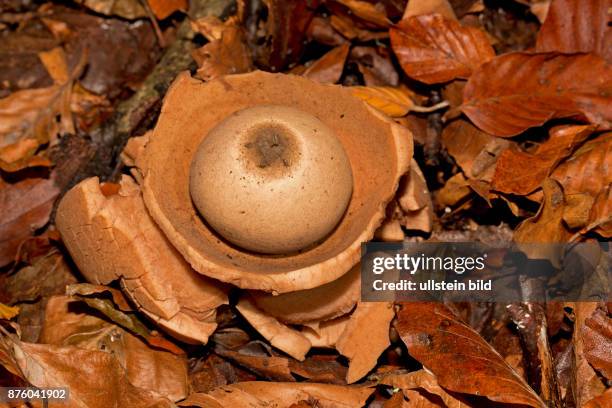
<point>516,91</point>
<point>395,102</point>
<point>95,378</point>
<point>279,24</point>
<point>271,368</point>
<point>433,49</point>
<point>597,339</point>
<point>25,206</point>
<point>461,360</point>
<point>152,369</point>
<point>521,173</point>
<point>328,69</point>
<point>418,7</point>
<point>282,395</point>
<point>573,26</point>
<point>602,401</point>
<point>128,9</point>
<point>600,217</point>
<point>375,65</point>
<point>163,8</point>
<point>586,384</point>
<point>223,56</point>
<point>546,226</point>
<point>8,312</point>
<point>321,30</point>
<point>475,151</point>
<point>373,318</point>
<point>367,11</point>
<point>589,169</point>
<point>421,380</point>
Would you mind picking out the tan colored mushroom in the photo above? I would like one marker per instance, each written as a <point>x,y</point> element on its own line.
<point>269,182</point>
<point>378,151</point>
<point>113,237</point>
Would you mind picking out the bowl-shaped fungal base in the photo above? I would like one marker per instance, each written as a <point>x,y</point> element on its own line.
<point>379,151</point>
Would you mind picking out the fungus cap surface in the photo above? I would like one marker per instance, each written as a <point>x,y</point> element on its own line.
<point>271,179</point>
<point>378,149</point>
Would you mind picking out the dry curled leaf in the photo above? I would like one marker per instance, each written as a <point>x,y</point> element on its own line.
<point>128,9</point>
<point>163,8</point>
<point>226,55</point>
<point>418,381</point>
<point>328,68</point>
<point>25,206</point>
<point>446,346</point>
<point>516,91</point>
<point>433,49</point>
<point>573,26</point>
<point>45,365</point>
<point>419,7</point>
<point>597,339</point>
<point>149,368</point>
<point>395,102</point>
<point>518,172</point>
<point>367,12</point>
<point>8,312</point>
<point>373,318</point>
<point>281,395</point>
<point>546,226</point>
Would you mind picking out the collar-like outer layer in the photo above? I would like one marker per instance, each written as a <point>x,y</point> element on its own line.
<point>379,151</point>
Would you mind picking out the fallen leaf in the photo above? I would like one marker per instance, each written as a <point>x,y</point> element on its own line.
<point>545,226</point>
<point>351,30</point>
<point>475,151</point>
<point>574,26</point>
<point>281,395</point>
<point>589,169</point>
<point>321,31</point>
<point>21,155</point>
<point>577,211</point>
<point>597,339</point>
<point>395,102</point>
<point>446,346</point>
<point>600,218</point>
<point>8,312</point>
<point>95,378</point>
<point>320,368</point>
<point>516,91</point>
<point>433,49</point>
<point>279,24</point>
<point>271,368</point>
<point>148,368</point>
<point>420,7</point>
<point>128,9</point>
<point>454,190</point>
<point>163,8</point>
<point>362,351</point>
<point>518,172</point>
<point>227,55</point>
<point>421,380</point>
<point>367,12</point>
<point>376,65</point>
<point>328,68</point>
<point>586,384</point>
<point>25,206</point>
<point>278,334</point>
<point>602,401</point>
